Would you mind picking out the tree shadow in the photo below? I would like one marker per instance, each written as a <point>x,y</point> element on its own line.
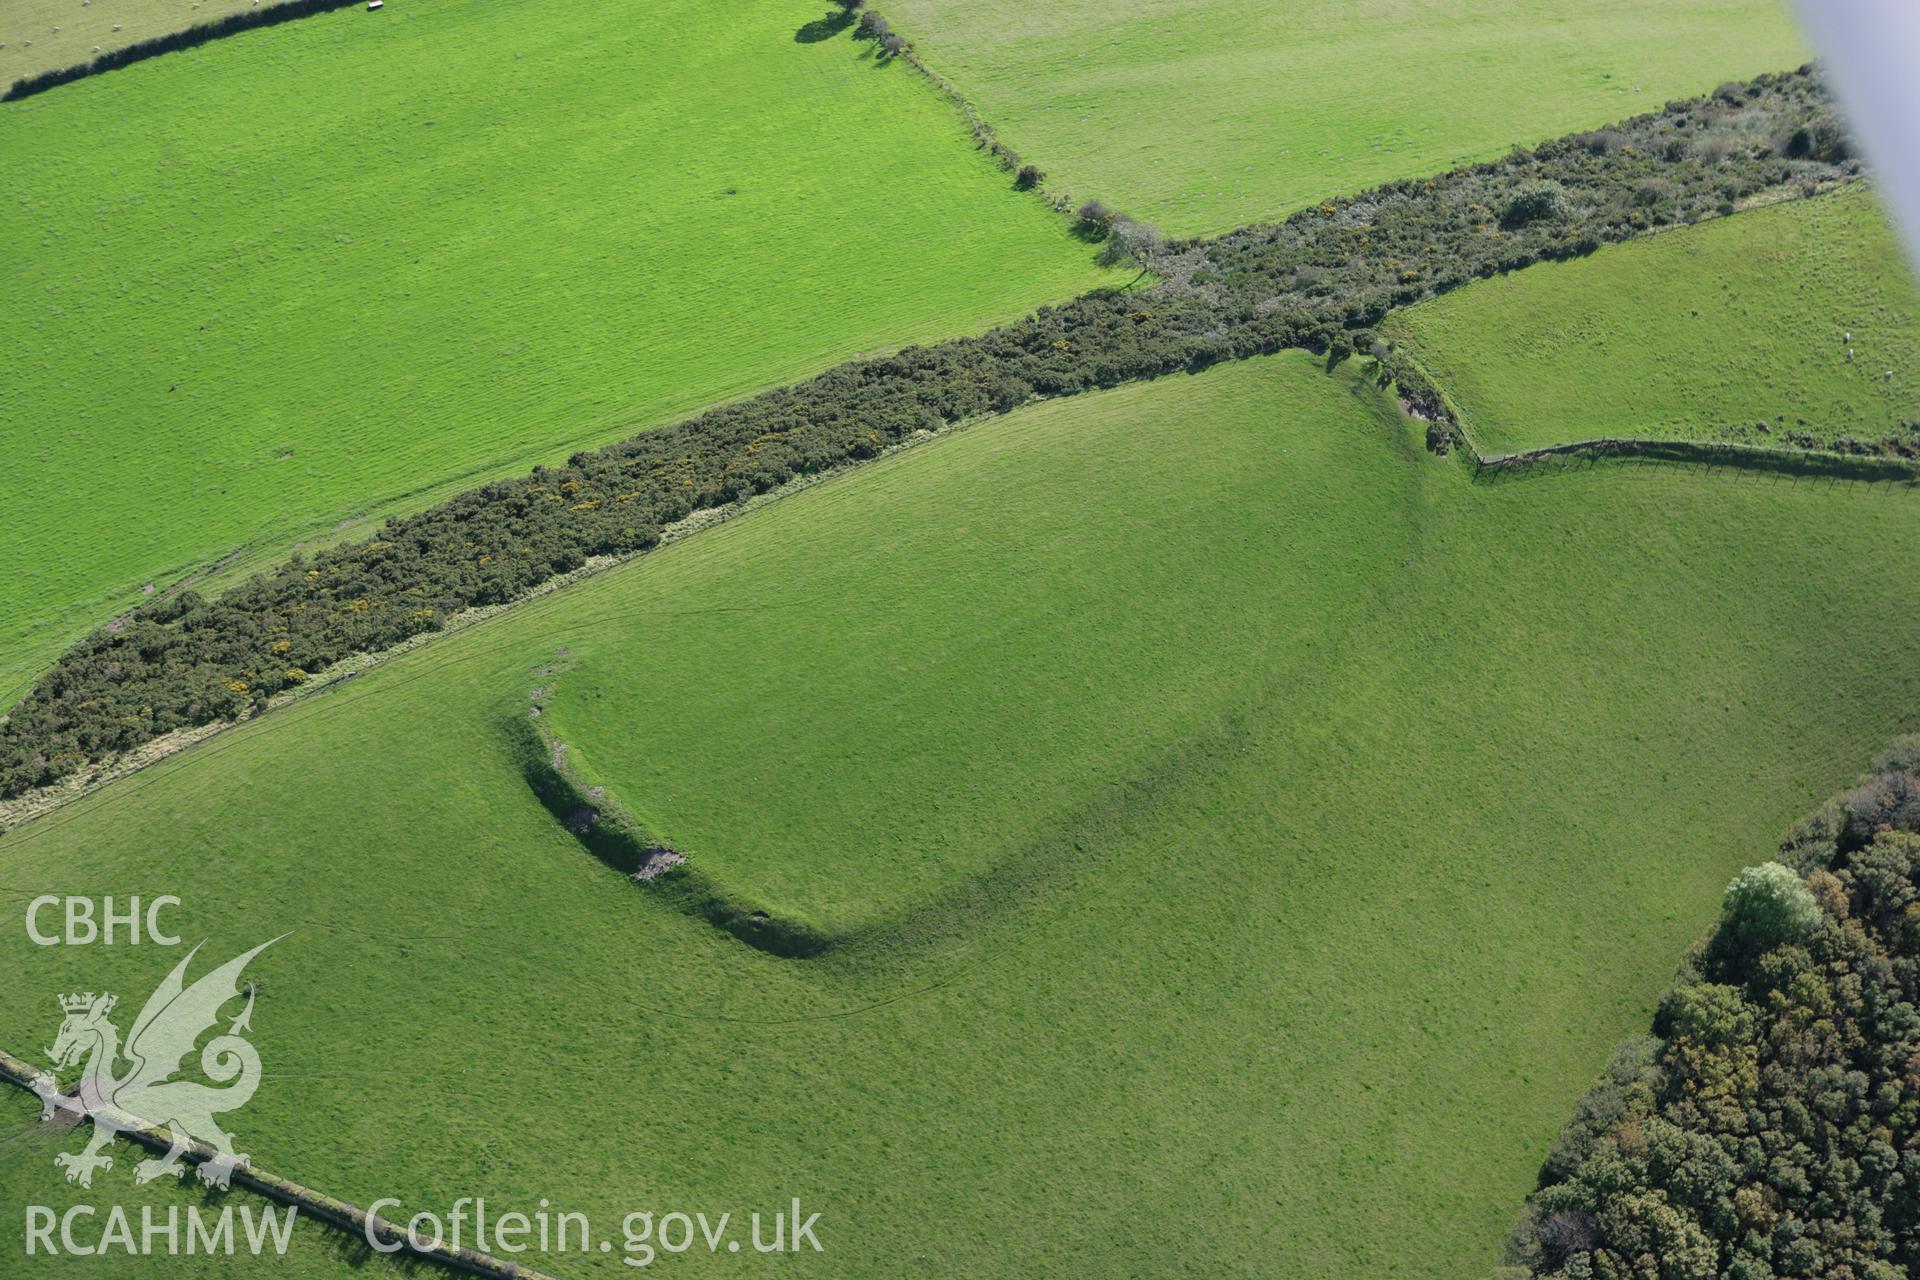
<point>824,28</point>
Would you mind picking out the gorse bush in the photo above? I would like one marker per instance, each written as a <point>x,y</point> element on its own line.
<point>1129,241</point>
<point>1324,274</point>
<point>1536,202</point>
<point>1095,213</point>
<point>1655,192</point>
<point>1771,1126</point>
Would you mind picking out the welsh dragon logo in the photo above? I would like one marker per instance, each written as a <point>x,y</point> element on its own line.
<point>146,1094</point>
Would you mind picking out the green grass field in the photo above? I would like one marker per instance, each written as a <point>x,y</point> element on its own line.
<point>492,234</point>
<point>1702,333</point>
<point>41,35</point>
<point>1257,922</point>
<point>27,1177</point>
<point>1202,115</point>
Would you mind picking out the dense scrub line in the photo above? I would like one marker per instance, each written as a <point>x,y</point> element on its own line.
<point>1321,281</point>
<point>1770,1126</point>
<point>186,38</point>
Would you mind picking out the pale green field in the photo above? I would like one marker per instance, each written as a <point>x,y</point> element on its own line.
<point>1201,115</point>
<point>1347,876</point>
<point>1702,333</point>
<point>42,35</point>
<point>491,234</point>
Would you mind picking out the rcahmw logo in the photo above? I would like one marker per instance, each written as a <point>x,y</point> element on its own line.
<point>86,925</point>
<point>83,1233</point>
<point>149,1094</point>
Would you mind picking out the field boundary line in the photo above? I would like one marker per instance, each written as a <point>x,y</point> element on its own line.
<point>23,811</point>
<point>337,1213</point>
<point>1780,459</point>
<point>439,558</point>
<point>170,42</point>
<point>17,814</point>
<point>1728,453</point>
<point>1456,421</point>
<point>985,136</point>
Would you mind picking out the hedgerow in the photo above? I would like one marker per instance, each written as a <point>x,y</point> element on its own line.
<point>1771,1125</point>
<point>1320,280</point>
<point>186,38</point>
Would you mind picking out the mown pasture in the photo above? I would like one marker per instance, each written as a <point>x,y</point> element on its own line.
<point>1290,963</point>
<point>490,235</point>
<point>1201,115</point>
<point>1794,323</point>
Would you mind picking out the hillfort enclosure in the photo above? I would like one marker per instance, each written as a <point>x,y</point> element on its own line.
<point>1188,638</point>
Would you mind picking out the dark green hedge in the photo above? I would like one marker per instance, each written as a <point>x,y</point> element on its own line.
<point>1320,281</point>
<point>186,38</point>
